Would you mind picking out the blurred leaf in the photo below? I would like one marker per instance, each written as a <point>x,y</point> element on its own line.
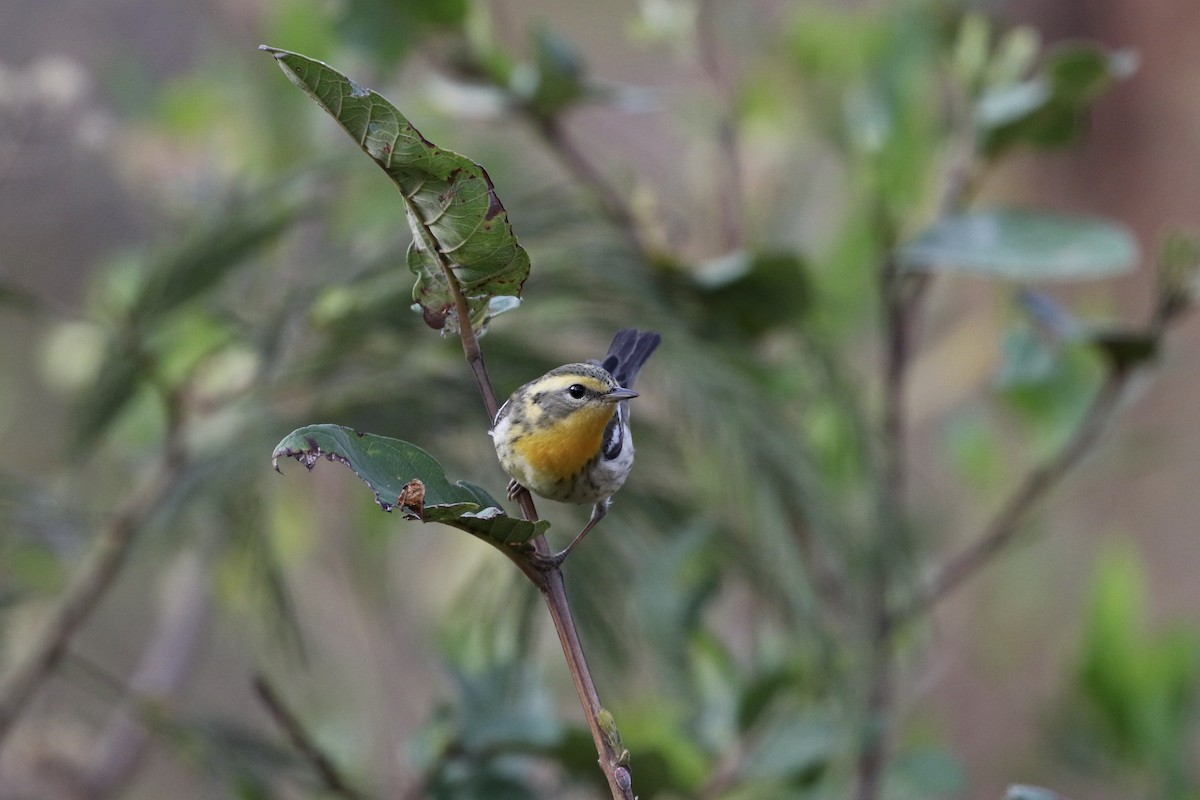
<point>1079,73</point>
<point>749,294</point>
<point>476,782</point>
<point>452,206</point>
<point>837,42</point>
<point>492,743</point>
<point>1049,110</point>
<point>117,381</point>
<point>1023,245</point>
<point>559,79</point>
<point>1022,792</point>
<point>1048,385</point>
<point>391,28</point>
<point>974,449</point>
<point>1014,56</point>
<point>182,341</point>
<point>19,299</point>
<point>1049,315</point>
<point>257,581</point>
<point>1178,272</point>
<point>235,751</point>
<point>970,54</point>
<point>576,756</point>
<point>1125,348</point>
<point>389,466</point>
<point>666,758</point>
<point>504,709</point>
<point>159,345</point>
<point>1026,359</point>
<point>209,253</point>
<point>759,694</point>
<point>1136,693</point>
<point>796,747</point>
<point>927,772</point>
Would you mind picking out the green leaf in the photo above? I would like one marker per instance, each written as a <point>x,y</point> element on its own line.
<point>389,466</point>
<point>1178,268</point>
<point>797,748</point>
<point>1024,792</point>
<point>388,29</point>
<point>559,81</point>
<point>20,299</point>
<point>117,380</point>
<point>1080,73</point>
<point>1050,110</point>
<point>927,772</point>
<point>457,220</point>
<point>749,294</point>
<point>1126,348</point>
<point>209,253</point>
<point>1026,359</point>
<point>759,694</point>
<point>1023,245</point>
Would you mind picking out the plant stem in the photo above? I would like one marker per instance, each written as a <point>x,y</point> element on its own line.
<point>901,296</point>
<point>999,532</point>
<point>873,747</point>
<point>554,591</point>
<point>611,203</point>
<point>549,580</point>
<point>184,606</point>
<point>300,738</point>
<point>87,588</point>
<point>730,197</point>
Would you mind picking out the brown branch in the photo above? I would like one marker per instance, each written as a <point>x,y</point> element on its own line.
<point>730,196</point>
<point>897,315</point>
<point>83,594</point>
<point>547,576</point>
<point>901,297</point>
<point>611,203</point>
<point>999,533</point>
<point>168,658</point>
<point>300,738</point>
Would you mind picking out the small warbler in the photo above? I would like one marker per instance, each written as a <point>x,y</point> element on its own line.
<point>565,436</point>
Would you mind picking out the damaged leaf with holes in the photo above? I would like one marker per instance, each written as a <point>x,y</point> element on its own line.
<point>405,477</point>
<point>457,220</point>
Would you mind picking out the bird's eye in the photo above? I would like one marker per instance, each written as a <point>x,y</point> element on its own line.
<point>576,390</point>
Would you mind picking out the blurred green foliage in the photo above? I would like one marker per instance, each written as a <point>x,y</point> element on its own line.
<point>1136,700</point>
<point>725,602</point>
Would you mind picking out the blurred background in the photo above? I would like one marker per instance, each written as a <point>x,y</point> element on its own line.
<point>195,261</point>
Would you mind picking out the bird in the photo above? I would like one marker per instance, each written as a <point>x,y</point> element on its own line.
<point>565,436</point>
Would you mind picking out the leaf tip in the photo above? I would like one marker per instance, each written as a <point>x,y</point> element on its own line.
<point>308,456</point>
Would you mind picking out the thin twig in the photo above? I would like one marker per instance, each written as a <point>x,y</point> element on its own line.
<point>612,204</point>
<point>999,532</point>
<point>873,751</point>
<point>300,738</point>
<point>897,313</point>
<point>85,591</point>
<point>729,194</point>
<point>168,658</point>
<point>548,579</point>
<point>901,298</point>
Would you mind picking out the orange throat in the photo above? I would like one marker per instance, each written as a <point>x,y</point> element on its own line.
<point>562,449</point>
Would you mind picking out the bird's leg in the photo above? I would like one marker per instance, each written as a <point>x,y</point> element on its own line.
<point>598,512</point>
<point>514,489</point>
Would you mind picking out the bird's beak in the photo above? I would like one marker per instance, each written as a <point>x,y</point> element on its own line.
<point>618,394</point>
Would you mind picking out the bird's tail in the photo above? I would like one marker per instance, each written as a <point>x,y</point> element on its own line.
<point>628,353</point>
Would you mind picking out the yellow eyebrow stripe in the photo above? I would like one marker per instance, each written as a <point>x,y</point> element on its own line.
<point>551,383</point>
